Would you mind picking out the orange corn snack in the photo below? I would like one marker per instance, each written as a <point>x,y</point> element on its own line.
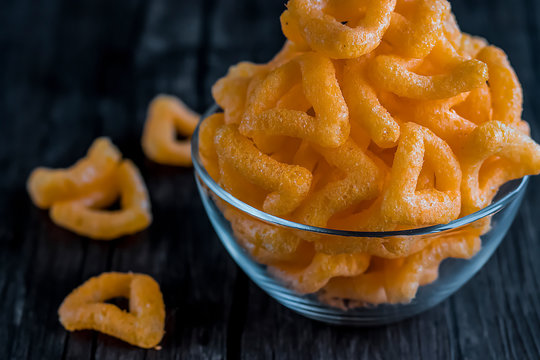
<point>402,203</point>
<point>142,326</point>
<point>362,182</point>
<point>167,115</point>
<point>288,184</point>
<point>306,21</point>
<point>494,154</point>
<point>47,186</point>
<point>77,216</point>
<point>394,74</point>
<point>505,90</point>
<point>329,127</point>
<point>365,108</point>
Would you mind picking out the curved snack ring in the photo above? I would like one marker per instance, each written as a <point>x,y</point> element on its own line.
<point>167,115</point>
<point>134,216</point>
<point>506,93</point>
<point>414,37</point>
<point>496,153</point>
<point>340,10</point>
<point>142,326</point>
<point>402,203</point>
<point>398,280</point>
<point>362,182</point>
<point>365,108</point>
<point>330,126</point>
<point>306,20</point>
<point>393,74</point>
<point>47,186</point>
<point>322,268</point>
<point>288,184</point>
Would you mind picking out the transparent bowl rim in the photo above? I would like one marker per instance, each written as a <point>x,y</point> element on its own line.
<point>263,216</point>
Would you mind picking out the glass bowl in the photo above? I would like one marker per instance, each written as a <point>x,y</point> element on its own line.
<point>453,273</point>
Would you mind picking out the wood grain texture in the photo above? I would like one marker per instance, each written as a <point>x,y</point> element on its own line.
<point>75,70</point>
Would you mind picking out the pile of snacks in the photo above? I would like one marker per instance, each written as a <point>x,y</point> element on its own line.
<point>168,116</point>
<point>375,116</point>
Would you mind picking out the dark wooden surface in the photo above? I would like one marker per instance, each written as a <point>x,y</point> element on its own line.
<point>74,70</point>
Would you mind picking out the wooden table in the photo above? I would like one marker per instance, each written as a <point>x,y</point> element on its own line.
<point>75,70</point>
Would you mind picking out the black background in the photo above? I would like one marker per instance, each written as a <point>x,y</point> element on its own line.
<point>71,71</point>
